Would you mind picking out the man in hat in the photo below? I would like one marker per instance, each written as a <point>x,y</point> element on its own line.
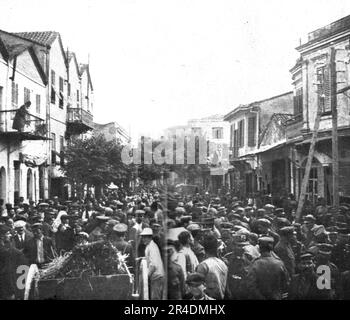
<point>186,257</point>
<point>64,237</point>
<point>309,223</point>
<point>323,257</point>
<point>338,253</point>
<point>175,275</point>
<point>197,286</point>
<point>197,248</point>
<point>118,240</point>
<point>303,285</point>
<point>39,249</point>
<point>156,272</point>
<point>284,249</point>
<point>213,269</point>
<point>267,277</point>
<point>135,231</point>
<point>10,259</point>
<point>99,232</point>
<point>22,234</point>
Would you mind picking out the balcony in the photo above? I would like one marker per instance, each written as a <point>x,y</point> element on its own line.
<point>34,127</point>
<point>78,121</point>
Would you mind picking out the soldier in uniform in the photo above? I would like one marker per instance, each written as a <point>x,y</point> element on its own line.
<point>303,285</point>
<point>267,276</point>
<point>284,249</point>
<point>118,240</point>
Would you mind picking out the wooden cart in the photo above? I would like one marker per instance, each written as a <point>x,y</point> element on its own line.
<point>108,287</point>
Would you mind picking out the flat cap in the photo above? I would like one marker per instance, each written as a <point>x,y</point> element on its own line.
<point>306,256</point>
<point>309,217</point>
<point>286,231</point>
<point>195,279</point>
<point>264,222</point>
<point>193,227</point>
<point>147,232</point>
<point>37,225</point>
<point>103,218</point>
<point>324,248</point>
<point>120,228</point>
<point>266,240</point>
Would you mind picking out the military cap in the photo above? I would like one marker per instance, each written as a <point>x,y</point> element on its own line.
<point>37,225</point>
<point>207,220</point>
<point>193,227</point>
<point>266,240</point>
<point>264,222</point>
<point>220,209</point>
<point>103,218</point>
<point>296,225</point>
<point>195,279</point>
<point>140,212</point>
<point>286,231</point>
<point>4,229</point>
<point>20,217</point>
<point>43,204</point>
<point>318,230</point>
<point>226,225</point>
<point>64,216</point>
<point>309,217</point>
<point>283,222</point>
<point>248,208</point>
<point>108,211</point>
<point>185,218</point>
<point>156,225</point>
<point>306,256</point>
<point>269,206</point>
<point>324,248</point>
<point>213,211</point>
<point>120,228</point>
<point>112,222</point>
<point>83,234</point>
<point>279,210</point>
<point>261,212</point>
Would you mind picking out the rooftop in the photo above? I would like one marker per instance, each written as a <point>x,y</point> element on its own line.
<point>43,37</point>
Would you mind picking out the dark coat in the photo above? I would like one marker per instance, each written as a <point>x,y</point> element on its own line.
<point>19,120</point>
<point>267,278</point>
<point>285,252</point>
<point>18,243</point>
<point>30,250</point>
<point>10,260</point>
<point>176,281</point>
<point>303,288</point>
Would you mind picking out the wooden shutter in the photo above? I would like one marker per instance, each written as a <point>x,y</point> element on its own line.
<point>251,131</point>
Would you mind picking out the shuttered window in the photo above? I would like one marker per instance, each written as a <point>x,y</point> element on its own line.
<point>298,102</point>
<point>251,131</point>
<point>241,134</point>
<point>26,95</point>
<point>38,102</point>
<point>60,104</point>
<point>14,94</point>
<point>323,89</point>
<point>53,90</point>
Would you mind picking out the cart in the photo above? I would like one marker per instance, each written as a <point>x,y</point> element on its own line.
<point>106,287</point>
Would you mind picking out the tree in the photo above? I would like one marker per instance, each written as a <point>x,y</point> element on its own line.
<point>95,162</point>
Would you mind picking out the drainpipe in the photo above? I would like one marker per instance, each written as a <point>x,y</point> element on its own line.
<point>8,175</point>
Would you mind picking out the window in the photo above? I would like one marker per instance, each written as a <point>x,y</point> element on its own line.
<point>298,103</point>
<point>14,94</point>
<point>53,142</point>
<point>217,133</point>
<point>241,133</point>
<point>26,95</point>
<point>61,92</point>
<point>251,131</point>
<point>323,89</point>
<point>37,103</point>
<point>61,143</point>
<point>78,93</point>
<point>1,93</point>
<point>53,90</point>
<point>235,143</point>
<point>69,89</point>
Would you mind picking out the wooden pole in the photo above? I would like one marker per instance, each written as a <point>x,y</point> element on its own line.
<point>305,181</point>
<point>335,159</point>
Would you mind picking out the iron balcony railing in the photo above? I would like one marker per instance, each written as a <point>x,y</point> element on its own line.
<point>79,115</point>
<point>32,124</point>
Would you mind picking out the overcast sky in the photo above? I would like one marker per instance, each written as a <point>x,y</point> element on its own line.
<point>158,63</point>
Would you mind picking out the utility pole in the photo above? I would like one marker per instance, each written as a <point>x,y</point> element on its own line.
<point>335,156</point>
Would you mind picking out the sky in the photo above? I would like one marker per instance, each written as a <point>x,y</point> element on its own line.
<point>158,63</point>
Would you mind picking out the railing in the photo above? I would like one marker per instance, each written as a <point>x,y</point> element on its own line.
<point>31,124</point>
<point>295,119</point>
<point>78,115</point>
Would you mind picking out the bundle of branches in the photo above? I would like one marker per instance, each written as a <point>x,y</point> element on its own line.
<point>91,259</point>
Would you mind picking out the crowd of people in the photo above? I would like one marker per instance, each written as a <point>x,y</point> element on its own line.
<point>197,247</point>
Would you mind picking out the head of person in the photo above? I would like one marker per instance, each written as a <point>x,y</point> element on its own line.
<point>306,264</point>
<point>120,230</point>
<point>27,105</point>
<point>309,221</point>
<point>146,235</point>
<point>210,244</point>
<point>288,234</point>
<point>184,238</point>
<point>5,235</point>
<point>324,253</point>
<point>139,214</point>
<point>37,230</point>
<point>19,226</point>
<point>196,285</point>
<point>266,244</point>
